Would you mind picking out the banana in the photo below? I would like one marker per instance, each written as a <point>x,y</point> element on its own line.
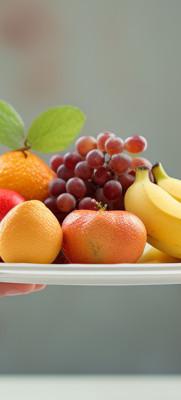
<point>155,256</point>
<point>171,185</point>
<point>159,211</point>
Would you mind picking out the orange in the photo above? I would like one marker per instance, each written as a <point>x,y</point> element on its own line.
<point>25,173</point>
<point>30,233</point>
<point>103,237</point>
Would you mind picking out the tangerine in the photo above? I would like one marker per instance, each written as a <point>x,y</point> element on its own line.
<point>25,173</point>
<point>103,237</point>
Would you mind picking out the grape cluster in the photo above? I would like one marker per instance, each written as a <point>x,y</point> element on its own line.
<point>99,170</point>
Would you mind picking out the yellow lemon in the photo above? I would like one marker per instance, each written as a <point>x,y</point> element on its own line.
<point>30,233</point>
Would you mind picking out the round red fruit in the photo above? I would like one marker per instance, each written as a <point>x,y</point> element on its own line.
<point>95,158</point>
<point>88,204</point>
<point>77,187</point>
<point>135,144</point>
<point>84,144</point>
<point>66,202</point>
<point>56,161</point>
<point>126,180</point>
<point>114,145</point>
<point>64,173</point>
<point>101,175</point>
<point>82,170</point>
<point>71,159</point>
<point>140,161</point>
<point>112,190</point>
<point>102,138</point>
<point>119,163</point>
<point>100,197</point>
<point>57,186</point>
<point>50,202</point>
<point>8,200</point>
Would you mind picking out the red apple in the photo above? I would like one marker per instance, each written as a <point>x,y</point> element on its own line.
<point>8,200</point>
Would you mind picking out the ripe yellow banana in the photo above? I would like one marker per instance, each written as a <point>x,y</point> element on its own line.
<point>171,185</point>
<point>159,211</point>
<point>155,256</point>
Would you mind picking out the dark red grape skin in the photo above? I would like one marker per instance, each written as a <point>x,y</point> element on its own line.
<point>50,202</point>
<point>112,190</point>
<point>126,180</point>
<point>117,204</point>
<point>95,158</point>
<point>64,173</point>
<point>100,197</point>
<point>135,144</point>
<point>84,144</point>
<point>71,159</point>
<point>114,145</point>
<point>101,139</point>
<point>119,163</point>
<point>91,188</point>
<point>61,259</point>
<point>56,187</point>
<point>140,161</point>
<point>77,187</point>
<point>87,203</point>
<point>66,202</point>
<point>101,175</point>
<point>55,161</point>
<point>82,170</point>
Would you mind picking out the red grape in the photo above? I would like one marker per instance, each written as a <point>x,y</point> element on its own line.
<point>66,202</point>
<point>95,158</point>
<point>135,144</point>
<point>112,190</point>
<point>56,161</point>
<point>50,202</point>
<point>101,176</point>
<point>64,173</point>
<point>126,180</point>
<point>102,138</point>
<point>71,159</point>
<point>77,187</point>
<point>139,162</point>
<point>84,144</point>
<point>61,216</point>
<point>88,204</point>
<point>120,163</point>
<point>91,188</point>
<point>57,186</point>
<point>117,204</point>
<point>132,172</point>
<point>100,197</point>
<point>82,170</point>
<point>114,145</point>
<point>61,259</point>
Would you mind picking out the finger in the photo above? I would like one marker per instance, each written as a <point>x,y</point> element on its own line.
<point>38,288</point>
<point>14,289</point>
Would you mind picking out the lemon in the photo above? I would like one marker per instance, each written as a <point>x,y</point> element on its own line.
<point>30,233</point>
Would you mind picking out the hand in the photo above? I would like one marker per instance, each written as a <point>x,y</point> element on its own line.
<point>14,289</point>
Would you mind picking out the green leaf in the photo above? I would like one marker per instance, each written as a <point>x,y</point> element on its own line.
<point>11,126</point>
<point>55,129</point>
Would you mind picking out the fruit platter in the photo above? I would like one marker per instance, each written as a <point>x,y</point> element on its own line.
<point>98,214</point>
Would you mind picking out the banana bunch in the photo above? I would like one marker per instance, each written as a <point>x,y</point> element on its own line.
<point>158,206</point>
<point>155,256</point>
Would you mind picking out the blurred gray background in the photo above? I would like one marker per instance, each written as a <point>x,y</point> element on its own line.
<point>120,61</point>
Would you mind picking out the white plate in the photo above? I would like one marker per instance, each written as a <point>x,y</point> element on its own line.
<point>92,275</point>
